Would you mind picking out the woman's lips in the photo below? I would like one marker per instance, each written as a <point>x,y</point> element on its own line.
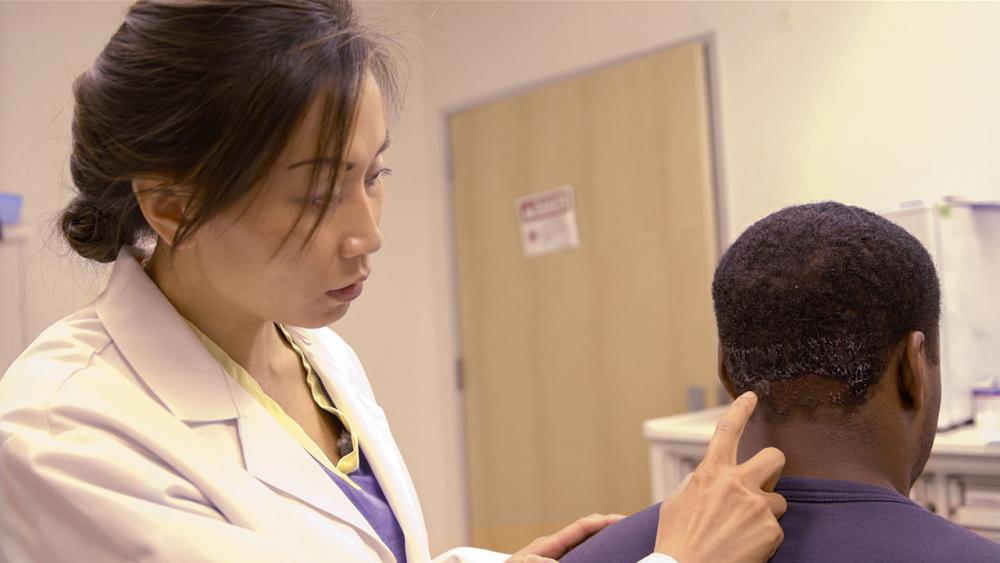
<point>349,293</point>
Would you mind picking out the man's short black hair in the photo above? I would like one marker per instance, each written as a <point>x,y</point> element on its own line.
<point>823,290</point>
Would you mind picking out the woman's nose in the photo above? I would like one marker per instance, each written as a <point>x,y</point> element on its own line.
<point>362,236</point>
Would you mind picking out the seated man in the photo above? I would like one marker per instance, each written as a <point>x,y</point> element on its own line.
<point>830,314</point>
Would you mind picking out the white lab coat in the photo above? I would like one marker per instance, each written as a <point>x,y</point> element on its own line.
<point>122,439</point>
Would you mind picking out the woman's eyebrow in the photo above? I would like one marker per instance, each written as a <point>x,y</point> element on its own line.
<point>322,160</point>
<point>328,161</point>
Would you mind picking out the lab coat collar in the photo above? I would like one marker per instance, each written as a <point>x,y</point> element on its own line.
<point>368,420</point>
<point>159,345</point>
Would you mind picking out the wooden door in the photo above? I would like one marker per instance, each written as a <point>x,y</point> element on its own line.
<point>566,354</point>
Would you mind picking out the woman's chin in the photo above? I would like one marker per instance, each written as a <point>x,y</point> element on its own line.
<point>316,317</point>
<point>329,317</point>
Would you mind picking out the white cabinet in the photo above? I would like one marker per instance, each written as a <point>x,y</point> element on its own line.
<point>960,482</point>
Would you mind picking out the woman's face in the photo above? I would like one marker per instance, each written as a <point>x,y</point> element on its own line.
<point>243,254</point>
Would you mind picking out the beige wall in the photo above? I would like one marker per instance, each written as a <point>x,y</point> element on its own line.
<point>865,103</point>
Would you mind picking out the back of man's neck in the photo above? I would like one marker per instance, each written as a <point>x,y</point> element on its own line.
<point>814,449</point>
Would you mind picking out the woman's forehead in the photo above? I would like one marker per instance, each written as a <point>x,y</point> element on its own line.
<point>369,128</point>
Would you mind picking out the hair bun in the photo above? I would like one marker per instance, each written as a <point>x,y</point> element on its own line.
<point>90,232</point>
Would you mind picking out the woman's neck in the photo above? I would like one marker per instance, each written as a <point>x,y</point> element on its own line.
<point>252,342</point>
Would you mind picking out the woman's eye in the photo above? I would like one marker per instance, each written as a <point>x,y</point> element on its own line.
<point>319,199</point>
<point>378,176</point>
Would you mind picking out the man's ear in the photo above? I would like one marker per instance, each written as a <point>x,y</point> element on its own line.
<point>911,371</point>
<point>162,204</point>
<point>724,373</point>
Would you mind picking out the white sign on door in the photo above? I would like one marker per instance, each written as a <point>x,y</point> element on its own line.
<point>548,221</point>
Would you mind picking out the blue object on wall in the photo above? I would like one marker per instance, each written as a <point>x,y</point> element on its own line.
<point>10,209</point>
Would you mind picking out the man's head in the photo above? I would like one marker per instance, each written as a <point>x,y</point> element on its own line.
<point>817,305</point>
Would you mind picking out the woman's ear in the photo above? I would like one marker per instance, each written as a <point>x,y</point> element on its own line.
<point>724,373</point>
<point>162,204</point>
<point>911,371</point>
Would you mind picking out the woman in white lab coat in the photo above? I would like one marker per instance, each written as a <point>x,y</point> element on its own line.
<point>228,157</point>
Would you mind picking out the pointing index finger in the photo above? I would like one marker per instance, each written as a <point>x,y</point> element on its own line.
<point>722,448</point>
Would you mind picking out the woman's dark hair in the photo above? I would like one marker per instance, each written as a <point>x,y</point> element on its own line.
<point>206,93</point>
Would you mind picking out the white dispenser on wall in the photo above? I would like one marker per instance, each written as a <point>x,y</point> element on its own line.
<point>963,237</point>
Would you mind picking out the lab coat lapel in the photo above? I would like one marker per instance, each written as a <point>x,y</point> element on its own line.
<point>387,463</point>
<point>275,458</point>
<point>368,421</point>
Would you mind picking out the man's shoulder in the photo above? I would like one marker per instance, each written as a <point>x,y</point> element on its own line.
<point>844,521</point>
<point>626,541</point>
<point>937,539</point>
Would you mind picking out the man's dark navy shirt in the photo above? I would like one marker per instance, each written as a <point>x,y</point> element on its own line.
<point>826,522</point>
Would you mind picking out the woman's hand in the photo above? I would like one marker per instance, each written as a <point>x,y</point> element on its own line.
<point>725,512</point>
<point>548,549</point>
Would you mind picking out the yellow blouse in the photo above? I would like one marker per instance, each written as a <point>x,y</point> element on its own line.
<point>348,463</point>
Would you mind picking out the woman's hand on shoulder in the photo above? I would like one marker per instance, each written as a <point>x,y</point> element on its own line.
<point>548,549</point>
<point>724,512</point>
